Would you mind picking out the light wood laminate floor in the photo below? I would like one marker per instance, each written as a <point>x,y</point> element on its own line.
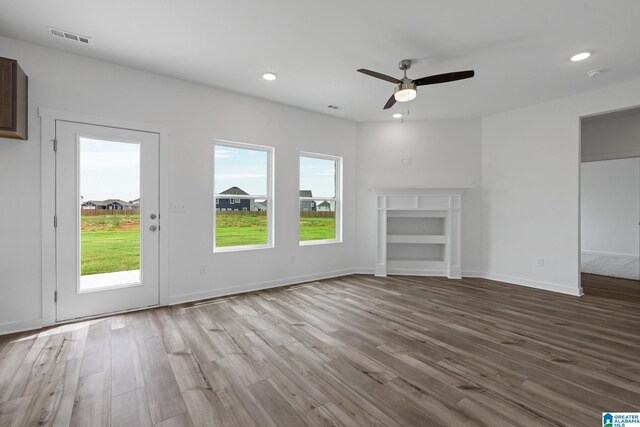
<point>355,350</point>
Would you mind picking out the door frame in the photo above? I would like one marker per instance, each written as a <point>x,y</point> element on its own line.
<point>48,118</point>
<point>581,117</point>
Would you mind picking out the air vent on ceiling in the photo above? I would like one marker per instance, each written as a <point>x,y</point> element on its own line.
<point>70,36</point>
<point>333,107</point>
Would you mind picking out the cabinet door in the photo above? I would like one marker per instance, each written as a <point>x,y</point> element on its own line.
<point>6,94</point>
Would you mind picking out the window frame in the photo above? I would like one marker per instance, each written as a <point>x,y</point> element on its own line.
<point>337,199</point>
<point>268,197</point>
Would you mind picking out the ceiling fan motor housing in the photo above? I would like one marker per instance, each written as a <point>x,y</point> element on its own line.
<point>405,91</point>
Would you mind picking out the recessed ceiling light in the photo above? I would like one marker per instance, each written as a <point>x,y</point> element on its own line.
<point>580,56</point>
<point>269,76</point>
<point>397,115</point>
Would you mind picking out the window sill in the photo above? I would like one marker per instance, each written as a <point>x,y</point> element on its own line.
<point>319,242</point>
<point>241,248</point>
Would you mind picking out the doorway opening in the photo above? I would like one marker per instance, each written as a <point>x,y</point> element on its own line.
<point>610,199</point>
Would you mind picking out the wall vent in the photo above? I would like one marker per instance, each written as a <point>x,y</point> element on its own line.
<point>69,36</point>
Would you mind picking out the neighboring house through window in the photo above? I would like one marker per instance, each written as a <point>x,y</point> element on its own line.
<point>242,182</point>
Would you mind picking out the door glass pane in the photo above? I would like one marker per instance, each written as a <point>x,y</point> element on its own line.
<point>109,214</point>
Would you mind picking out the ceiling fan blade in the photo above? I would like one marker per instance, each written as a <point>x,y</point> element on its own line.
<point>379,75</point>
<point>444,78</point>
<point>391,102</point>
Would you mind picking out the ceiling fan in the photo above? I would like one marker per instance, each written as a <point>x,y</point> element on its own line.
<point>406,88</point>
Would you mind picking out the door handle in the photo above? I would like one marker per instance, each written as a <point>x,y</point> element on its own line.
<point>153,228</point>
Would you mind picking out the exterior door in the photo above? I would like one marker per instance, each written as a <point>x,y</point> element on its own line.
<point>107,220</point>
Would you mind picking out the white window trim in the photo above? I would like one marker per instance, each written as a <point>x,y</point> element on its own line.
<point>337,199</point>
<point>269,197</point>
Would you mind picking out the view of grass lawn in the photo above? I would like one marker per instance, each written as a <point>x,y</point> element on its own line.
<point>250,228</point>
<point>111,243</point>
<point>240,228</point>
<point>317,228</point>
<point>109,251</point>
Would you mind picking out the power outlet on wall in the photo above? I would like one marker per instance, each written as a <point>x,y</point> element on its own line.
<point>406,161</point>
<point>540,262</point>
<point>204,269</point>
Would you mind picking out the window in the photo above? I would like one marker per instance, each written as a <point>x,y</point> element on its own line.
<point>242,177</point>
<point>320,199</point>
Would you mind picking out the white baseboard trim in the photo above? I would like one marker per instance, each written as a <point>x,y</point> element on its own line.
<point>611,254</point>
<point>20,326</point>
<point>510,280</point>
<point>257,286</point>
<point>473,274</point>
<point>413,272</point>
<point>547,286</point>
<point>34,324</point>
<point>468,273</point>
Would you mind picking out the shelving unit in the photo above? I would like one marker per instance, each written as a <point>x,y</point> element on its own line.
<point>418,231</point>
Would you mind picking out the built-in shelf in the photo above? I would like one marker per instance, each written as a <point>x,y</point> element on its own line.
<point>407,238</point>
<point>418,231</point>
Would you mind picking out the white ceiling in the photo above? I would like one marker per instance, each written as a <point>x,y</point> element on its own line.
<point>518,48</point>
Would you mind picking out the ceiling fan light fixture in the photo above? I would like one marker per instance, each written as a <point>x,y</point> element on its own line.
<point>405,95</point>
<point>405,91</point>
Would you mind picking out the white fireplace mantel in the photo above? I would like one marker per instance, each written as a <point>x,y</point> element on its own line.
<point>419,231</point>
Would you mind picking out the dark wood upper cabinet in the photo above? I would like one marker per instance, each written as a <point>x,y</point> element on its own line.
<point>13,100</point>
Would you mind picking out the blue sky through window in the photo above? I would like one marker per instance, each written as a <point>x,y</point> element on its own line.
<point>318,175</point>
<point>109,170</point>
<point>240,167</point>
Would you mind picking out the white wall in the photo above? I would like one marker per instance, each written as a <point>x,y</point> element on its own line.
<point>530,178</point>
<point>195,115</point>
<point>610,206</point>
<point>523,166</point>
<point>443,153</point>
<point>611,137</point>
